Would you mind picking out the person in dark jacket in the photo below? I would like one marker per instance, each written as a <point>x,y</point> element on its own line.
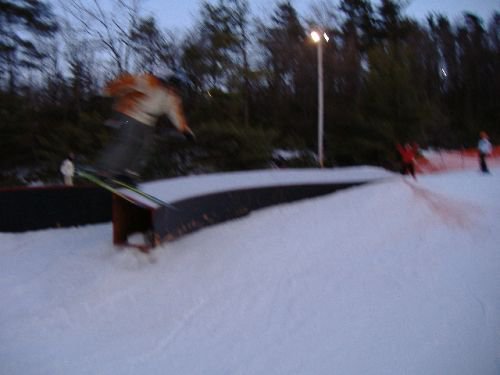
<point>484,149</point>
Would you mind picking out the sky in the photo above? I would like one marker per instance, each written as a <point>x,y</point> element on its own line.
<point>179,14</point>
<point>394,277</point>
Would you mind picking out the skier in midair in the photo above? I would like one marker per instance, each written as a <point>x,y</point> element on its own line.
<point>139,101</point>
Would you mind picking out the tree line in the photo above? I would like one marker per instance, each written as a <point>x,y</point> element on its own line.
<point>250,82</point>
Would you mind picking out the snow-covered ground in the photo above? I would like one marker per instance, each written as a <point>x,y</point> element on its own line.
<point>396,277</point>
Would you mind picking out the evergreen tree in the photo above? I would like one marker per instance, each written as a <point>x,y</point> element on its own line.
<point>153,51</point>
<point>282,43</point>
<point>215,57</point>
<point>21,21</point>
<point>355,38</point>
<point>392,95</point>
<point>476,79</point>
<point>491,104</point>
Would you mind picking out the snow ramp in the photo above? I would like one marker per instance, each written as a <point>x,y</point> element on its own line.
<point>185,204</point>
<point>161,223</point>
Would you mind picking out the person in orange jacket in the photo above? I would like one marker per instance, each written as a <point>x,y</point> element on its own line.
<point>407,154</point>
<point>139,101</point>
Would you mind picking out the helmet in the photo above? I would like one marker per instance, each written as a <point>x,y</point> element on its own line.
<point>174,81</point>
<point>177,80</point>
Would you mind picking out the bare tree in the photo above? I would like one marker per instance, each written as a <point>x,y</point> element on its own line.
<point>109,28</point>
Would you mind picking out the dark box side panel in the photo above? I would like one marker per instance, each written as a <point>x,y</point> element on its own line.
<point>198,212</point>
<point>35,208</point>
<point>129,218</point>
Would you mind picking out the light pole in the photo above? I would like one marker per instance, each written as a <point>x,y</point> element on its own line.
<point>317,38</point>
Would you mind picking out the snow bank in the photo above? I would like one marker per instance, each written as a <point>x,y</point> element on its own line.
<point>393,278</point>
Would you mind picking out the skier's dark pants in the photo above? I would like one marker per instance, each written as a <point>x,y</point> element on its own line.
<point>129,147</point>
<point>408,168</point>
<point>482,163</point>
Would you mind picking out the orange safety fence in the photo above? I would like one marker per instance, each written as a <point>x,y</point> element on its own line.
<point>472,152</point>
<point>446,160</point>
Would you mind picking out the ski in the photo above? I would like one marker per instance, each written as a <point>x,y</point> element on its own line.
<point>112,184</point>
<point>101,183</point>
<point>142,193</point>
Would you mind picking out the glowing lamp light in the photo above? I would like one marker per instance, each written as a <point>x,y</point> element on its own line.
<point>315,36</point>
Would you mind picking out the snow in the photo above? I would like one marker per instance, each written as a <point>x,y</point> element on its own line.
<point>394,277</point>
<point>185,187</point>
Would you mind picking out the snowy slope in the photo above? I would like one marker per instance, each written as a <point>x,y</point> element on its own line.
<point>392,278</point>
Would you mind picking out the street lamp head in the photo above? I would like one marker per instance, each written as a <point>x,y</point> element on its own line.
<point>315,36</point>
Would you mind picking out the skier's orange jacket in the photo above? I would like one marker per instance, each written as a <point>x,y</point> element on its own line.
<point>145,98</point>
<point>407,153</point>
